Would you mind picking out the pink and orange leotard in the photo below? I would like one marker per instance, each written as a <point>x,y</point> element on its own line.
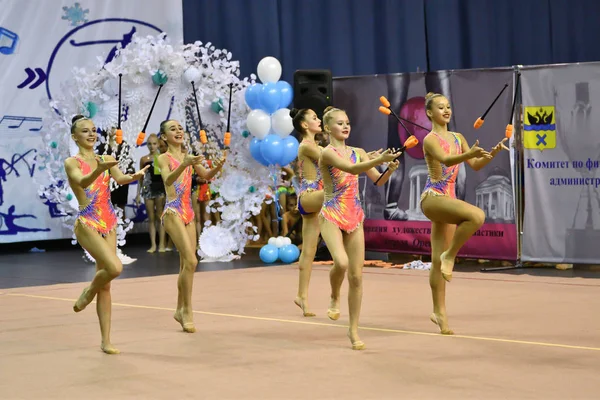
<point>342,202</point>
<point>99,213</point>
<point>442,179</point>
<point>181,205</point>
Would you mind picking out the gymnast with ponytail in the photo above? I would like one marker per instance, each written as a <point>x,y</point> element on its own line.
<point>95,227</point>
<point>341,216</point>
<point>309,198</point>
<point>453,221</point>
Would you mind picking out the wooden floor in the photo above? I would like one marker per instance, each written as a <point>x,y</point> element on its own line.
<point>519,334</point>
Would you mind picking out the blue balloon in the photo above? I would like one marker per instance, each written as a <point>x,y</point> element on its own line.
<point>286,92</point>
<point>290,150</point>
<point>268,253</point>
<point>255,145</point>
<point>252,96</point>
<point>271,149</point>
<point>270,98</point>
<point>289,253</point>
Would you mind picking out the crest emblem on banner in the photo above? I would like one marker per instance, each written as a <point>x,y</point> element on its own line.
<point>539,127</point>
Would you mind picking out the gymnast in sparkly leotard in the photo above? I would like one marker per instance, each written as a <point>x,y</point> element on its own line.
<point>342,202</point>
<point>441,180</point>
<point>453,221</point>
<point>310,198</point>
<point>341,215</point>
<point>178,217</point>
<point>180,203</point>
<point>89,177</point>
<point>99,214</point>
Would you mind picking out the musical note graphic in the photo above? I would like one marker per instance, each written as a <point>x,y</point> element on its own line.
<point>8,41</point>
<point>127,37</point>
<point>13,124</point>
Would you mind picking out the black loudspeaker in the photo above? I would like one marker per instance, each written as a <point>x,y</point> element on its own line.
<point>313,89</point>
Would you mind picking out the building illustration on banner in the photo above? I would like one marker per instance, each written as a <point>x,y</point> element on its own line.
<point>539,124</point>
<point>370,198</point>
<point>495,197</point>
<point>417,176</point>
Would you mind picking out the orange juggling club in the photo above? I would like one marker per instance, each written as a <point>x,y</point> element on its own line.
<point>387,110</point>
<point>509,128</point>
<point>119,132</point>
<point>142,134</point>
<point>481,119</point>
<point>119,136</point>
<point>203,138</point>
<point>227,137</point>
<point>411,142</point>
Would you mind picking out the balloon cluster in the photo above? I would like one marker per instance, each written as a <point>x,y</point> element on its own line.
<point>279,248</point>
<point>270,122</point>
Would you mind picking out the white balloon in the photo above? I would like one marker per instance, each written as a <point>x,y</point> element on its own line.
<point>269,70</point>
<point>287,241</point>
<point>258,123</point>
<point>279,242</point>
<point>192,74</point>
<point>110,87</point>
<point>282,122</point>
<point>272,241</point>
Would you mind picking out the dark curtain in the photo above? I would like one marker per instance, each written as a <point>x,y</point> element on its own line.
<point>349,37</point>
<point>247,28</point>
<point>575,30</point>
<point>365,37</point>
<point>352,37</point>
<point>463,34</point>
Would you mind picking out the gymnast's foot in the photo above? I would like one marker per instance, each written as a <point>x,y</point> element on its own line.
<point>304,307</point>
<point>442,323</point>
<point>152,249</point>
<point>447,266</point>
<point>187,324</point>
<point>357,344</point>
<point>108,348</point>
<point>83,300</point>
<point>333,312</point>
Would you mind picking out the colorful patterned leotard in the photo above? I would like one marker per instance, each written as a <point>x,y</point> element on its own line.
<point>181,205</point>
<point>99,213</point>
<point>307,185</point>
<point>442,179</point>
<point>342,202</point>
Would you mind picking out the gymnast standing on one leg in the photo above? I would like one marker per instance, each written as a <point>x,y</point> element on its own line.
<point>89,177</point>
<point>453,221</point>
<point>310,198</point>
<point>342,215</point>
<point>178,216</point>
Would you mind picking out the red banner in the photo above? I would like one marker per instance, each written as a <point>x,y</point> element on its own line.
<point>494,241</point>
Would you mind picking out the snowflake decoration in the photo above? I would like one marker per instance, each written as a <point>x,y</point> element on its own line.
<point>75,14</point>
